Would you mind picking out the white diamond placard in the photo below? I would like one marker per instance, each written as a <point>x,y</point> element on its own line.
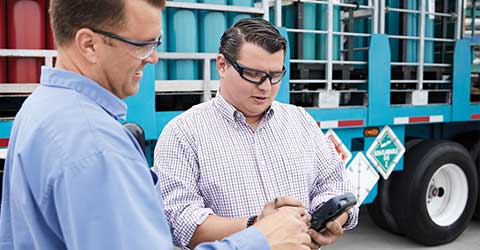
<point>363,177</point>
<point>341,149</point>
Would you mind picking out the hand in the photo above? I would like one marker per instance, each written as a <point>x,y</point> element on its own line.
<point>286,229</point>
<point>332,231</point>
<point>273,206</point>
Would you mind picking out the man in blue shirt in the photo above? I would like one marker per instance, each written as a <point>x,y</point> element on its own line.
<point>74,177</point>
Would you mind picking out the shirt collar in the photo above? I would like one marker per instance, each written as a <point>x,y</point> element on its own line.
<point>229,112</point>
<point>54,77</point>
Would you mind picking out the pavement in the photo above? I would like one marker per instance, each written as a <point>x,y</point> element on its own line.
<point>368,236</point>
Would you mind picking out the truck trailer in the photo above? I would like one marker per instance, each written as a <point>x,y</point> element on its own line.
<point>394,84</point>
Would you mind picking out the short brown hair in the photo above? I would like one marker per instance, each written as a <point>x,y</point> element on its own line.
<point>68,16</point>
<point>252,30</point>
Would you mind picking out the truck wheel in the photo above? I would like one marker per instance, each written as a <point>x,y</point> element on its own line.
<point>380,209</point>
<point>434,198</point>
<point>475,153</point>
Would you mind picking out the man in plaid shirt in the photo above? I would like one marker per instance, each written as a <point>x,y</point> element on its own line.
<point>220,161</point>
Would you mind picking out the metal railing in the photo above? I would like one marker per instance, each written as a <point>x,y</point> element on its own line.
<point>376,10</point>
<point>206,86</point>
<point>329,62</point>
<point>420,64</point>
<point>25,88</point>
<point>345,55</point>
<point>161,86</point>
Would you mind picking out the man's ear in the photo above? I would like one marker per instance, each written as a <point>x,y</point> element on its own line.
<point>221,65</point>
<point>86,42</point>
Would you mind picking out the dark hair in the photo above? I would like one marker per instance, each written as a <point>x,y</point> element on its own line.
<point>252,30</point>
<point>68,16</point>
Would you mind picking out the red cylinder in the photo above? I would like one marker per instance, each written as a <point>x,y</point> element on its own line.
<point>26,30</point>
<point>50,40</point>
<point>3,41</point>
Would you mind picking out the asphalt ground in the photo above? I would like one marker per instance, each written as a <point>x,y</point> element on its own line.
<point>368,236</point>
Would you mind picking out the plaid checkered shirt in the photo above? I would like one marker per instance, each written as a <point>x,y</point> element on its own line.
<point>210,161</point>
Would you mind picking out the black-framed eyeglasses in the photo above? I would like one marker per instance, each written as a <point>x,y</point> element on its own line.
<point>141,49</point>
<point>256,76</point>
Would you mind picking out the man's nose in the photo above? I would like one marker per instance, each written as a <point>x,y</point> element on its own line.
<point>266,84</point>
<point>152,58</point>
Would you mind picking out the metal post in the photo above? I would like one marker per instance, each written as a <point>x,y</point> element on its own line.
<point>444,32</point>
<point>458,30</point>
<point>278,13</point>
<point>299,17</point>
<point>351,22</point>
<point>472,16</point>
<point>49,61</point>
<point>382,17</point>
<point>375,17</point>
<point>330,45</point>
<point>266,14</point>
<point>421,45</point>
<point>207,93</point>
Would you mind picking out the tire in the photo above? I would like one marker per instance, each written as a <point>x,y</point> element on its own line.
<point>475,153</point>
<point>380,209</point>
<point>446,170</point>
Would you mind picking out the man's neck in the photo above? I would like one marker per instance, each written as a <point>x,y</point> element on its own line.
<point>253,121</point>
<point>65,62</point>
<point>69,60</point>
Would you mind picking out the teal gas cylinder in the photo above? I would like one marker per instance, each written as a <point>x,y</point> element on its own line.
<point>161,68</point>
<point>309,23</point>
<point>362,25</point>
<point>289,17</point>
<point>392,27</point>
<point>413,30</point>
<point>288,21</point>
<point>234,17</point>
<point>322,24</point>
<point>212,26</point>
<point>182,37</point>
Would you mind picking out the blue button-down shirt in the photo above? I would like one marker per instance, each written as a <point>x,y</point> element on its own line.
<point>76,179</point>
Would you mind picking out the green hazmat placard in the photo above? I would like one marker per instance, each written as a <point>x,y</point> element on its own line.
<point>385,152</point>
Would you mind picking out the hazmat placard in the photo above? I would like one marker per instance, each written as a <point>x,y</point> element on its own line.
<point>385,152</point>
<point>362,176</point>
<point>341,149</point>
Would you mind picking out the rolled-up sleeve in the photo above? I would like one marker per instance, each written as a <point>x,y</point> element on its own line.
<point>176,164</point>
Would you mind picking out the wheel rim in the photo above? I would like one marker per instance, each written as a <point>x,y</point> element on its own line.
<point>447,194</point>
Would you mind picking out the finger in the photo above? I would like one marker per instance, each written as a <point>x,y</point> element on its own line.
<point>335,228</point>
<point>269,205</point>
<point>307,218</point>
<point>324,238</point>
<point>312,245</point>
<point>299,212</point>
<point>287,201</point>
<point>303,229</point>
<point>305,238</point>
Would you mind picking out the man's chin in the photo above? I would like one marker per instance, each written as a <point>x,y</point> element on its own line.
<point>133,90</point>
